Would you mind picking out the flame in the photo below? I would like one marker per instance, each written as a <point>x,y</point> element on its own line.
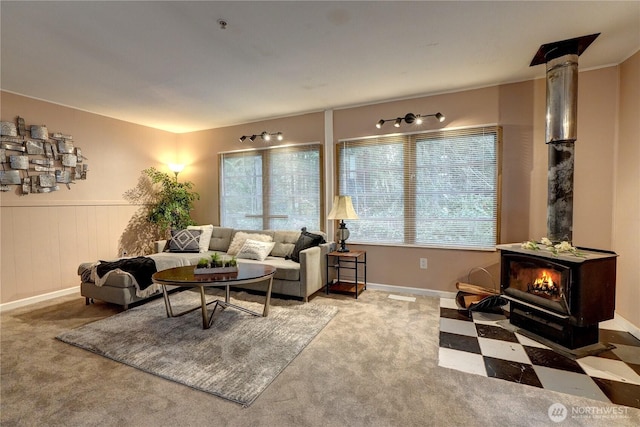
<point>544,282</point>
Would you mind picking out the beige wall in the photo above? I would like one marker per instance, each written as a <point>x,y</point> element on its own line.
<point>626,219</point>
<point>594,160</point>
<point>118,151</point>
<point>45,236</point>
<point>199,151</point>
<point>400,266</point>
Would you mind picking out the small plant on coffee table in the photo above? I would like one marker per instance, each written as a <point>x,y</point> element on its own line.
<point>215,260</point>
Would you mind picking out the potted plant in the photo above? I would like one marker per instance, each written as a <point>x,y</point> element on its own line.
<point>215,265</point>
<point>173,201</point>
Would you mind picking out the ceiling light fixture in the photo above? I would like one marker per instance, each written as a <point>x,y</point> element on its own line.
<point>266,136</point>
<point>410,118</point>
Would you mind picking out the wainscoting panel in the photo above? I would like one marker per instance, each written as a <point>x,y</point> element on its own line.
<point>41,246</point>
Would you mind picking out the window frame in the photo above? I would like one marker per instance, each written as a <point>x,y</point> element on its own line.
<point>410,204</point>
<point>266,155</point>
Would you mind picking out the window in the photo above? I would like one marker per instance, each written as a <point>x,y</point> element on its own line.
<point>436,189</point>
<point>275,188</point>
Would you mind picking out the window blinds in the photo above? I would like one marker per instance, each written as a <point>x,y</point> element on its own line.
<point>436,189</point>
<point>276,188</point>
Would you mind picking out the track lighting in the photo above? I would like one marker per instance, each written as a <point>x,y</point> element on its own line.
<point>266,136</point>
<point>410,118</point>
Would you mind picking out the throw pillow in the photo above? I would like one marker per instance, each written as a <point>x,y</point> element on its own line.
<point>240,237</point>
<point>205,237</point>
<point>305,241</point>
<point>185,241</point>
<point>255,249</point>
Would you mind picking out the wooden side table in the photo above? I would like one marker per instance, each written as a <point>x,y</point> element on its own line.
<point>352,260</point>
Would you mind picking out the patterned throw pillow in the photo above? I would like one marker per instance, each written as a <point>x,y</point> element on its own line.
<point>185,241</point>
<point>254,249</point>
<point>205,237</point>
<point>240,237</point>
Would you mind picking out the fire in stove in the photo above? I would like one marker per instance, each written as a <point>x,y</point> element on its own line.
<point>544,286</point>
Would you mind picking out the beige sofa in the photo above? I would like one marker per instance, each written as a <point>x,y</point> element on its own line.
<point>296,279</point>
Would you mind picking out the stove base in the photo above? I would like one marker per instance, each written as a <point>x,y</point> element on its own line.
<point>555,329</point>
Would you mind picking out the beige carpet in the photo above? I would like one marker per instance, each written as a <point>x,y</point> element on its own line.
<point>236,359</point>
<point>375,365</point>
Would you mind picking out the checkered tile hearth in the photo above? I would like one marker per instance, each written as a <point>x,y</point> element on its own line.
<point>475,343</point>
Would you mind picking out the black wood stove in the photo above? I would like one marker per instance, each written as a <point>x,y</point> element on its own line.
<point>559,297</point>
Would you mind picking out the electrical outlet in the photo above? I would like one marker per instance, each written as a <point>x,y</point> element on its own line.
<point>423,263</point>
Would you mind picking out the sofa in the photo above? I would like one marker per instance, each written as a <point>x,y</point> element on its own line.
<point>298,256</point>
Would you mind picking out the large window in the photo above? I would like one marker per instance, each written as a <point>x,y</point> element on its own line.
<point>277,188</point>
<point>437,189</point>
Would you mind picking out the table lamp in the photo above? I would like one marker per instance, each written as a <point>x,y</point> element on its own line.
<point>342,209</point>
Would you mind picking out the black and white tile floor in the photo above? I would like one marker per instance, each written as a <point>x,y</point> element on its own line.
<point>475,343</point>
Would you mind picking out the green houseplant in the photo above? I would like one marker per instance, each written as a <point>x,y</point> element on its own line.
<point>173,202</point>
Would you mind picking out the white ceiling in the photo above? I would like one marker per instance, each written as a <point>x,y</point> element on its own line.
<point>169,65</point>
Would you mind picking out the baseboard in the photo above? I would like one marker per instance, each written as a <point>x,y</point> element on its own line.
<point>38,298</point>
<point>412,291</point>
<point>627,326</point>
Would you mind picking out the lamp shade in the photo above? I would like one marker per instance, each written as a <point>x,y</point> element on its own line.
<point>342,208</point>
<point>176,167</point>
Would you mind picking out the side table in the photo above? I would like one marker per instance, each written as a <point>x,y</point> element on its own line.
<point>352,260</point>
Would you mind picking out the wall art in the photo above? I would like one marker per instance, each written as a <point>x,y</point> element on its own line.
<point>36,161</point>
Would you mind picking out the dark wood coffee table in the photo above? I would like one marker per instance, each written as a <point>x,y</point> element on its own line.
<point>184,277</point>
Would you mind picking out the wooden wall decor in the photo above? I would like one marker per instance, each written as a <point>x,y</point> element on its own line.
<point>37,161</point>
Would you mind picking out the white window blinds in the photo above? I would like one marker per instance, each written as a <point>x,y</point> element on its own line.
<point>437,189</point>
<point>276,188</point>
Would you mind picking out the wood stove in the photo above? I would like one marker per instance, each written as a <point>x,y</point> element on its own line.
<point>559,297</point>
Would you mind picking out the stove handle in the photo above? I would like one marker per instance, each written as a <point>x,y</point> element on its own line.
<point>536,307</point>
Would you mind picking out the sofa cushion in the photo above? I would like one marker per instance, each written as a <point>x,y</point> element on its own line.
<point>205,237</point>
<point>286,269</point>
<point>305,241</point>
<point>240,237</point>
<point>220,239</point>
<point>255,249</point>
<point>185,241</point>
<point>285,241</point>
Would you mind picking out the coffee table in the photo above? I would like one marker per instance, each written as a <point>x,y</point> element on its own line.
<point>184,277</point>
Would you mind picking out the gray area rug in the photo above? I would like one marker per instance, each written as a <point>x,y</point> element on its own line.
<point>236,359</point>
